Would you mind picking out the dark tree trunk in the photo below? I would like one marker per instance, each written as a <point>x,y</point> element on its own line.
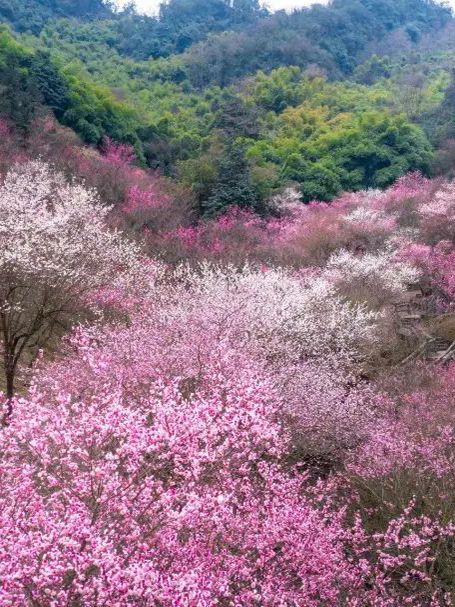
<point>10,375</point>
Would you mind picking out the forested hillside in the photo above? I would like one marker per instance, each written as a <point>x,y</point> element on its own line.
<point>292,99</point>
<point>227,305</point>
<point>34,14</point>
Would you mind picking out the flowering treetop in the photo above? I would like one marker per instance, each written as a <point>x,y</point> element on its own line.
<point>57,257</point>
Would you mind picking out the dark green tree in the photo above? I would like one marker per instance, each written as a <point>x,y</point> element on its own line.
<point>19,96</point>
<point>233,186</point>
<point>235,117</point>
<point>50,83</point>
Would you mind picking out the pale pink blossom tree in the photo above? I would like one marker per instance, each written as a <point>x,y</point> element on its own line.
<point>378,279</point>
<point>55,254</point>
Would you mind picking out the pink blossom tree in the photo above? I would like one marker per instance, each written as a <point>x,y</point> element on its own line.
<point>118,493</point>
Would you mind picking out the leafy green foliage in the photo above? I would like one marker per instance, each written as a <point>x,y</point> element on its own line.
<point>30,80</point>
<point>94,112</point>
<point>181,23</point>
<point>32,15</point>
<point>197,84</point>
<point>336,137</point>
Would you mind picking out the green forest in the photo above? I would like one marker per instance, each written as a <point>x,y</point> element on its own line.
<point>326,99</point>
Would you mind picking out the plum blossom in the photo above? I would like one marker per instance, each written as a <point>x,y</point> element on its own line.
<point>378,271</point>
<point>56,253</point>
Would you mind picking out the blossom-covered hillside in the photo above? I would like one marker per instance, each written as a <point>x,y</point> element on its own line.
<point>344,96</point>
<point>251,410</point>
<point>227,304</point>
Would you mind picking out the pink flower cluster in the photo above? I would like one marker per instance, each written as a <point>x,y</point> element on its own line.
<point>122,486</point>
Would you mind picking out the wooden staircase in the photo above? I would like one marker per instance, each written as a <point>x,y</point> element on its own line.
<point>409,314</point>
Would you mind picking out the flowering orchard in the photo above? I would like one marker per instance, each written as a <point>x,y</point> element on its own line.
<point>258,415</point>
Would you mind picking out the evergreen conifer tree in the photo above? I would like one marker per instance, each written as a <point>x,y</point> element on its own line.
<point>234,187</point>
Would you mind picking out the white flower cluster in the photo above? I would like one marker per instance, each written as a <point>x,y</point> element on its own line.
<point>54,234</point>
<point>442,206</point>
<point>380,271</point>
<point>363,214</point>
<point>285,316</point>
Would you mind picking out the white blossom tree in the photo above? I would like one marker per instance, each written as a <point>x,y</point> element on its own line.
<point>56,254</point>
